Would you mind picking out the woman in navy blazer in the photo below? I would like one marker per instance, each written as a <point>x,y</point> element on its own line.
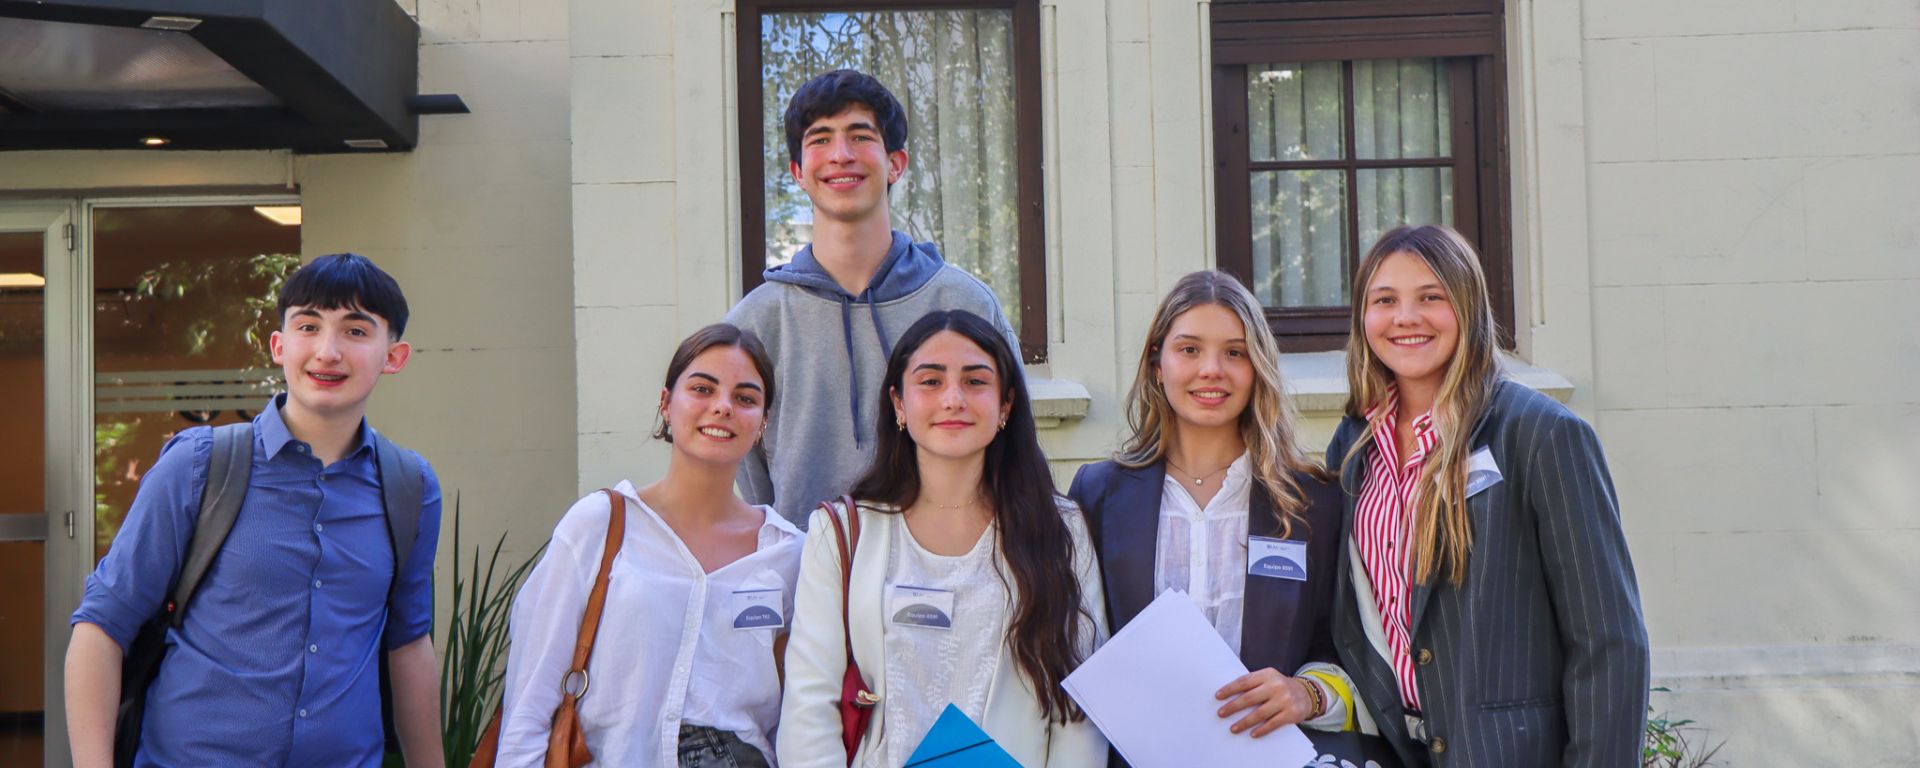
<point>1488,613</point>
<point>1213,458</point>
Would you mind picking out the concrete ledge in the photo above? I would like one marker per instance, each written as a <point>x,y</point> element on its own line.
<point>1317,381</point>
<point>1058,400</point>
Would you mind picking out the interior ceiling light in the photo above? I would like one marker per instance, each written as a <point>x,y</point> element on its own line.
<point>21,280</point>
<point>284,215</point>
<point>171,23</point>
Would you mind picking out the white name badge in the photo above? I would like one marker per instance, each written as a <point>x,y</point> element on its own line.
<point>1482,472</point>
<point>1277,558</point>
<point>758,609</point>
<point>921,607</point>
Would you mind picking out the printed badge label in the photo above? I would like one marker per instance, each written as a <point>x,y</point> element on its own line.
<point>921,607</point>
<point>1482,472</point>
<point>757,609</point>
<point>1277,558</point>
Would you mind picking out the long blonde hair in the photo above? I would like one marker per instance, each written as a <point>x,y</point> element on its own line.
<point>1266,426</point>
<point>1442,535</point>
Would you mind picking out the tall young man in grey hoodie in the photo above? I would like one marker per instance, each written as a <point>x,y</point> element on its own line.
<point>830,317</point>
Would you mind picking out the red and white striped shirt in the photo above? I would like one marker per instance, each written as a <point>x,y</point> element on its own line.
<point>1382,530</point>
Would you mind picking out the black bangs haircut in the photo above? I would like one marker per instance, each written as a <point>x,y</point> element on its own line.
<point>830,94</point>
<point>1045,633</point>
<point>344,281</point>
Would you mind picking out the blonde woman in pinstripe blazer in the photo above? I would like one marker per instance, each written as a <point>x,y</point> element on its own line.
<point>1505,630</point>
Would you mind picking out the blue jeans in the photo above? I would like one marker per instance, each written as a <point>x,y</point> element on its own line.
<point>705,747</point>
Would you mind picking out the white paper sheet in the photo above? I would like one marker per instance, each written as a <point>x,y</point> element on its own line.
<point>1150,690</point>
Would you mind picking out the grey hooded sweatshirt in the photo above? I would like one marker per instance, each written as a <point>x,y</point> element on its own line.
<point>830,351</point>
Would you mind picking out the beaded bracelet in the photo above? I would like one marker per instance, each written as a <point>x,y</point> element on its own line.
<point>1317,703</point>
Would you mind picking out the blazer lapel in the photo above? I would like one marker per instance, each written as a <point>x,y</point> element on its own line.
<point>1421,592</point>
<point>1261,620</point>
<point>1128,532</point>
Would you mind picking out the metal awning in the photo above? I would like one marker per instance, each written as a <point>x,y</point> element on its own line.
<point>307,75</point>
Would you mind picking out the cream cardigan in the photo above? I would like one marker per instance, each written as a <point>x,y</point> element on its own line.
<point>809,733</point>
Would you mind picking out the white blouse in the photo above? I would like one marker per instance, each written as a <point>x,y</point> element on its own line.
<point>1203,552</point>
<point>928,667</point>
<point>668,651</point>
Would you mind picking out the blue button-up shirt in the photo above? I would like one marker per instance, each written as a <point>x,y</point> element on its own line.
<point>275,662</point>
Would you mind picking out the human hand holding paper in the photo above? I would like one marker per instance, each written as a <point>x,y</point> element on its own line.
<point>1151,690</point>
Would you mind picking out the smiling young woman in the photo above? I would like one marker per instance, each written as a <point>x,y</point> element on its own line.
<point>1211,495</point>
<point>685,673</point>
<point>971,581</point>
<point>1488,609</point>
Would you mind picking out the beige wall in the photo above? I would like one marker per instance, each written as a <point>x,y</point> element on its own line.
<point>1755,253</point>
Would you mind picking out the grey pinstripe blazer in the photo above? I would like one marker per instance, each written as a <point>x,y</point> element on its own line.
<point>1539,658</point>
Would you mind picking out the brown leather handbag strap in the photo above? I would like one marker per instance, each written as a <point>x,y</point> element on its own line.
<point>597,600</point>
<point>848,539</point>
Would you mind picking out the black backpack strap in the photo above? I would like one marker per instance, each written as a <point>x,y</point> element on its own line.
<point>401,487</point>
<point>228,470</point>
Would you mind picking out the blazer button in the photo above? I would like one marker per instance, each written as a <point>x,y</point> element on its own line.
<point>1439,745</point>
<point>1425,657</point>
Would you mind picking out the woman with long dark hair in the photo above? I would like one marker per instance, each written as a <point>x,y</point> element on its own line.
<point>972,582</point>
<point>1488,614</point>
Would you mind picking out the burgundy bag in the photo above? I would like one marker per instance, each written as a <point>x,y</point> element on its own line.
<point>856,702</point>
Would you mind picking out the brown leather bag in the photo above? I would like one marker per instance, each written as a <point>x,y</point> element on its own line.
<point>856,699</point>
<point>566,742</point>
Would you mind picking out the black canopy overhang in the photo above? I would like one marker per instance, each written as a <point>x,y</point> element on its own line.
<point>342,71</point>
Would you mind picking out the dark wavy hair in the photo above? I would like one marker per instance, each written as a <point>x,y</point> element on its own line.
<point>346,281</point>
<point>717,335</point>
<point>1045,633</point>
<point>831,93</point>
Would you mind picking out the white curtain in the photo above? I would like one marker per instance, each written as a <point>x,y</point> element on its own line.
<point>1295,113</point>
<point>953,71</point>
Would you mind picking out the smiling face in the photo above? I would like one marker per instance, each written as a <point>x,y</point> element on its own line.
<point>717,407</point>
<point>844,166</point>
<point>1410,323</point>
<point>333,357</point>
<point>950,397</point>
<point>1204,368</point>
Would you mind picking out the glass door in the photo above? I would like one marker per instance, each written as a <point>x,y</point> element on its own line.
<point>34,489</point>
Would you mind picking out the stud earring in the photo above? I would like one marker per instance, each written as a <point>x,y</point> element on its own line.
<point>902,424</point>
<point>1003,425</point>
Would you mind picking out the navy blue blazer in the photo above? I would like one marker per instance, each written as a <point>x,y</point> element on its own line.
<point>1539,657</point>
<point>1286,623</point>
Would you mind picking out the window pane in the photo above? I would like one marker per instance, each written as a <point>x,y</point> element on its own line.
<point>953,70</point>
<point>1390,197</point>
<point>1299,238</point>
<point>1293,111</point>
<point>1401,109</point>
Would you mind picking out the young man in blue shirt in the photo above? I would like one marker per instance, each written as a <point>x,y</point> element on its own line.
<point>276,661</point>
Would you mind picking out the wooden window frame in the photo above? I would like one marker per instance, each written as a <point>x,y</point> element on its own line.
<point>1469,33</point>
<point>1028,152</point>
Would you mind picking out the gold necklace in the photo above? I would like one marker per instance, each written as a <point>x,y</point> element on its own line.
<point>1201,479</point>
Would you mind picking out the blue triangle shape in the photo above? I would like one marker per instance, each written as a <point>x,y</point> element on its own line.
<point>955,741</point>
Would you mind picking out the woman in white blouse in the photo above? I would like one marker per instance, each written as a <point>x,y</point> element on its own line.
<point>1212,496</point>
<point>683,671</point>
<point>973,582</point>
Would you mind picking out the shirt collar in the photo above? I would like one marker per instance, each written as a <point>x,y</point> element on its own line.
<point>1383,417</point>
<point>274,435</point>
<point>773,529</point>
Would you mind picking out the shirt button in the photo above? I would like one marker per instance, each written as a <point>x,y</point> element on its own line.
<point>302,448</point>
<point>318,527</point>
<point>316,583</point>
<point>313,649</point>
<point>303,713</point>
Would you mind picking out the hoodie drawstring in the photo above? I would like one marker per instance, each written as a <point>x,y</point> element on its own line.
<point>846,336</point>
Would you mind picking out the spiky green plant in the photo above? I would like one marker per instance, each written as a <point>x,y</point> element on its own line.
<point>1672,743</point>
<point>474,646</point>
